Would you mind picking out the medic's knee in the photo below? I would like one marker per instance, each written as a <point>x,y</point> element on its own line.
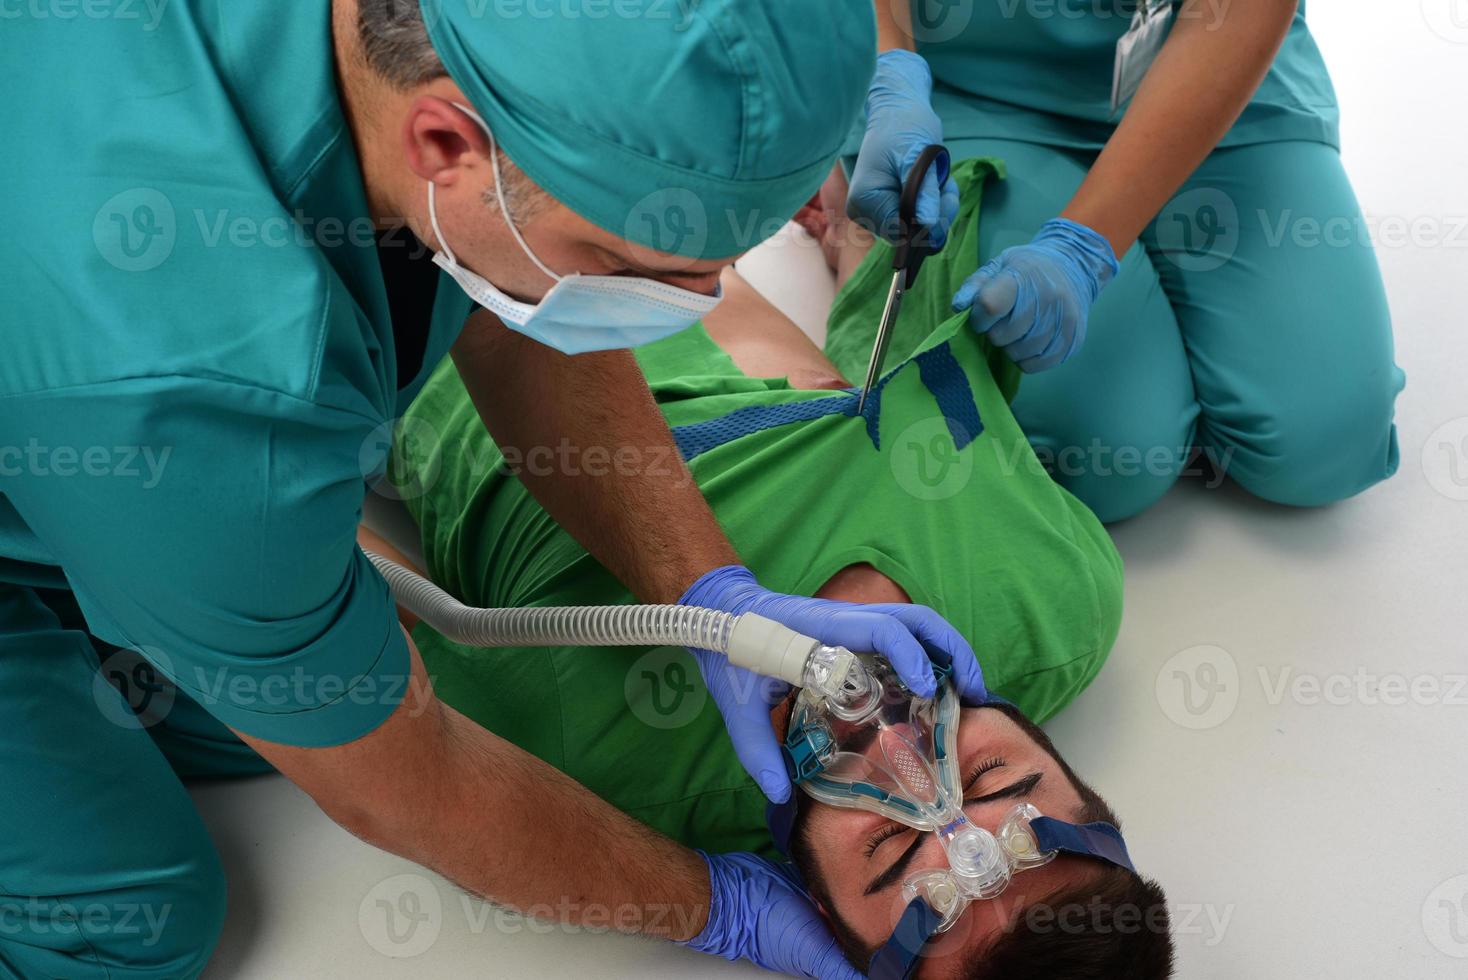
<point>1119,478</point>
<point>1329,444</point>
<point>176,918</point>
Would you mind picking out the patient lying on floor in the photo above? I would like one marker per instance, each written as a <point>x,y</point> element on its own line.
<point>1072,918</point>
<point>933,497</point>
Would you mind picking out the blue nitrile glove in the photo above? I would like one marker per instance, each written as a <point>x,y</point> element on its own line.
<point>901,123</point>
<point>910,637</point>
<point>1033,300</point>
<point>760,912</point>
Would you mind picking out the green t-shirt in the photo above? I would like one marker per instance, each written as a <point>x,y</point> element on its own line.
<point>980,533</point>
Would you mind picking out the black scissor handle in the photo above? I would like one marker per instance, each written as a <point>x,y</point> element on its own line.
<point>915,241</point>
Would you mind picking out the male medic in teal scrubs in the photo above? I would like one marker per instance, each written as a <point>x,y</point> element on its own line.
<point>215,304</point>
<point>1246,316</point>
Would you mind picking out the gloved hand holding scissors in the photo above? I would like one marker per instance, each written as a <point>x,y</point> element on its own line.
<point>900,124</point>
<point>910,637</point>
<point>1033,300</point>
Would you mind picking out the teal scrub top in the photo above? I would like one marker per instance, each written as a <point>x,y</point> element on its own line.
<point>1040,71</point>
<point>199,362</point>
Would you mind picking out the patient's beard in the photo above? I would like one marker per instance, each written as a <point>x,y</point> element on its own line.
<point>803,855</point>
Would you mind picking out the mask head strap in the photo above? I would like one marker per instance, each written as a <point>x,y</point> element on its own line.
<point>780,818</point>
<point>899,958</point>
<point>1096,840</point>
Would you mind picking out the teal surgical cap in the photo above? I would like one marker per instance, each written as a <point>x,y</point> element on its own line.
<point>695,127</point>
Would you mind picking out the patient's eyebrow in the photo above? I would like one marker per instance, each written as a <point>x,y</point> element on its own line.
<point>895,871</point>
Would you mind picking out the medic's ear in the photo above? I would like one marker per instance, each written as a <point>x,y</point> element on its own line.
<point>437,136</point>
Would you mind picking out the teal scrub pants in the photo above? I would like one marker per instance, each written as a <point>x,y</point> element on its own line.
<point>105,867</point>
<point>1249,322</point>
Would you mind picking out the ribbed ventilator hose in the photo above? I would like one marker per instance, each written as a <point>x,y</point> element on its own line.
<point>550,626</point>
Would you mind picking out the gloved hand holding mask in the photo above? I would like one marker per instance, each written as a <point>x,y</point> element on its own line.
<point>910,637</point>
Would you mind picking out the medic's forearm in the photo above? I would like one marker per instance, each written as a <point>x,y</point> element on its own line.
<point>434,787</point>
<point>1202,80</point>
<point>894,25</point>
<point>586,438</point>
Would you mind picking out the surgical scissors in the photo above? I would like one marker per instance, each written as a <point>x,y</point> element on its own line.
<point>913,245</point>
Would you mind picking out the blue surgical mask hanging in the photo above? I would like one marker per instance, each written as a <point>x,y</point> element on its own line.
<point>579,313</point>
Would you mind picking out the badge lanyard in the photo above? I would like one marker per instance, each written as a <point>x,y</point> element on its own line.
<point>1138,48</point>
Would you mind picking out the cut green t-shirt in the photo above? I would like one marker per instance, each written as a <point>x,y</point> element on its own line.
<point>980,533</point>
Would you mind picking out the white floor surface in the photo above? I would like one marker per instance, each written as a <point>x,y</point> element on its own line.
<point>1247,728</point>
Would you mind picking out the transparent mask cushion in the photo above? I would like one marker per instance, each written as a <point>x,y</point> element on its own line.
<point>897,760</point>
<point>925,917</point>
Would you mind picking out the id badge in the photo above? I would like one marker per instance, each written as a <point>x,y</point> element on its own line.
<point>1138,48</point>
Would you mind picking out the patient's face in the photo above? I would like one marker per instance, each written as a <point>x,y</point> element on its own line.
<point>857,861</point>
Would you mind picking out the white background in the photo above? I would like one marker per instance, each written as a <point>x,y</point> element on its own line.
<point>1331,838</point>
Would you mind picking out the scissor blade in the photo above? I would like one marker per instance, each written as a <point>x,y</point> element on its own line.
<point>884,337</point>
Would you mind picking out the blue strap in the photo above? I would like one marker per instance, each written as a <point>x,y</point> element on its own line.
<point>1097,840</point>
<point>940,372</point>
<point>944,377</point>
<point>898,959</point>
<point>780,818</point>
<point>699,437</point>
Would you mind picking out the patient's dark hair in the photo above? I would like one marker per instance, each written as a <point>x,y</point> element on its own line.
<point>1113,925</point>
<point>1110,927</point>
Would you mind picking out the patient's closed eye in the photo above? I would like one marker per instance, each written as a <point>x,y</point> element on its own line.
<point>989,765</point>
<point>889,830</point>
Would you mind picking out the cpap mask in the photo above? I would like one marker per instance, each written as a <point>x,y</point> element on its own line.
<point>880,748</point>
